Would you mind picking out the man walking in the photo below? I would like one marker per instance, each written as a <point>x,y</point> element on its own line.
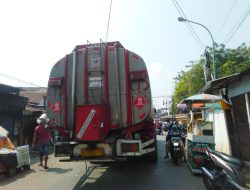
<point>42,136</point>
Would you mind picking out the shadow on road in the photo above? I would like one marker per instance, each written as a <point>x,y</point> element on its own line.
<point>140,175</point>
<point>100,174</point>
<point>58,170</point>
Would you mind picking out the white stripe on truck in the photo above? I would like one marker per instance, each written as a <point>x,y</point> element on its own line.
<point>86,124</point>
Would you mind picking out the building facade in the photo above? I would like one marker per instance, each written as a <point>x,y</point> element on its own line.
<point>11,111</point>
<point>236,90</point>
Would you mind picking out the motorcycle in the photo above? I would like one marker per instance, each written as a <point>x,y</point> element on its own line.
<point>159,131</point>
<point>175,150</point>
<point>221,171</point>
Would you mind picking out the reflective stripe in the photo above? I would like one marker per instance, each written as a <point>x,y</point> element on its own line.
<point>86,124</point>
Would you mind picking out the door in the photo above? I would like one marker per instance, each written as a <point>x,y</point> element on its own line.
<point>92,109</point>
<point>242,125</point>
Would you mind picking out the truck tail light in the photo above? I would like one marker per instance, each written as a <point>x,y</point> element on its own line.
<point>130,147</point>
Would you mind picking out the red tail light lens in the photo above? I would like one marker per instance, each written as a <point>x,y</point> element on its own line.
<point>130,147</point>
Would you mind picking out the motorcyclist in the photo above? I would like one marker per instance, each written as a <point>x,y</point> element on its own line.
<point>158,126</point>
<point>174,131</point>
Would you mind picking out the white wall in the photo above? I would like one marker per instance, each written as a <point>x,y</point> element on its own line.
<point>221,135</point>
<point>239,87</point>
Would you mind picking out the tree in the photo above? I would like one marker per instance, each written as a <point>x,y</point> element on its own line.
<point>228,62</point>
<point>231,61</point>
<point>189,82</point>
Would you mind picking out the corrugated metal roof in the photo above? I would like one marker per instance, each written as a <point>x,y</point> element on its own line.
<point>9,89</point>
<point>223,81</point>
<point>34,97</point>
<point>34,94</point>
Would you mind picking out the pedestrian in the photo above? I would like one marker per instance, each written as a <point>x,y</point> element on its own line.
<point>42,138</point>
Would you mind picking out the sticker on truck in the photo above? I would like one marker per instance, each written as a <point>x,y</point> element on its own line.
<point>95,62</point>
<point>95,82</point>
<point>140,101</point>
<point>56,107</point>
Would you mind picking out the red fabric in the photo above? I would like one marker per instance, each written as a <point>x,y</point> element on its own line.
<point>43,134</point>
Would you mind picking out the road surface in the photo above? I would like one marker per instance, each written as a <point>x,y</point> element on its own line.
<point>116,176</point>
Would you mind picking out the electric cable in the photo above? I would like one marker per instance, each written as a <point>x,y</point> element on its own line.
<point>19,80</point>
<point>226,18</point>
<point>237,25</point>
<point>163,96</point>
<point>191,29</point>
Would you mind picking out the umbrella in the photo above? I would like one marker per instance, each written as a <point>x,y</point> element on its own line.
<point>207,99</point>
<point>202,98</point>
<point>3,131</point>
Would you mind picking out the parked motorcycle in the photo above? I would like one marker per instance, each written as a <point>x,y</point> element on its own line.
<point>221,171</point>
<point>175,150</point>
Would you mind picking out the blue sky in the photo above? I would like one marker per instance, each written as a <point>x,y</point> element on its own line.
<point>35,34</point>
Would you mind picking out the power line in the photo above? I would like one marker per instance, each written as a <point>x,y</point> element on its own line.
<point>226,18</point>
<point>191,29</point>
<point>108,20</point>
<point>19,80</point>
<point>164,96</point>
<point>237,25</point>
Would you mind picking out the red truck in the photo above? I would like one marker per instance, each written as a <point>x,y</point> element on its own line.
<point>100,96</point>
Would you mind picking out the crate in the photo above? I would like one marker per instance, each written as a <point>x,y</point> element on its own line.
<point>8,160</point>
<point>8,163</point>
<point>2,168</point>
<point>23,156</point>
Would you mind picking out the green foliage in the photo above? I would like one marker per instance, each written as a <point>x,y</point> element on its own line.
<point>228,62</point>
<point>188,83</point>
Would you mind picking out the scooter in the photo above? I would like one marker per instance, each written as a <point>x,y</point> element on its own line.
<point>175,150</point>
<point>221,171</point>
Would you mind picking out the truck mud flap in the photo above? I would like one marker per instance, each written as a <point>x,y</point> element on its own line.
<point>62,149</point>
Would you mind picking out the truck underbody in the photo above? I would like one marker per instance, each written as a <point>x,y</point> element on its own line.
<point>113,148</point>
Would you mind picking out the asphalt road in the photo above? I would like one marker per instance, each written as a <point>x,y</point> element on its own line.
<point>134,175</point>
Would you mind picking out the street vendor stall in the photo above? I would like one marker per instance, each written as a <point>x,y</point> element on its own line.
<point>201,127</point>
<point>12,158</point>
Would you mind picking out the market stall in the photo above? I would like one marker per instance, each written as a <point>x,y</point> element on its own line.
<point>201,127</point>
<point>12,158</point>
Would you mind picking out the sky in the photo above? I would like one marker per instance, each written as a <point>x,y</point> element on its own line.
<point>35,34</point>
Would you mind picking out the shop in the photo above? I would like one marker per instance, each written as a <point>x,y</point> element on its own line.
<point>204,108</point>
<point>11,108</point>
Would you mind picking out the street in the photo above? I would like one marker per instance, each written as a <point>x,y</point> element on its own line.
<point>126,175</point>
